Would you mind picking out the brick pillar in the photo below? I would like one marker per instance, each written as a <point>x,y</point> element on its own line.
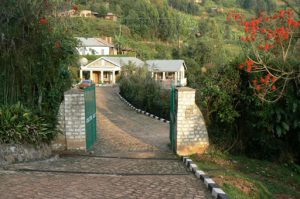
<point>191,134</point>
<point>75,120</point>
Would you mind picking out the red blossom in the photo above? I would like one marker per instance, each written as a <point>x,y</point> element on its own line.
<point>263,30</point>
<point>264,34</point>
<point>258,87</point>
<point>249,69</point>
<point>269,36</point>
<point>267,47</point>
<point>43,21</point>
<point>249,62</point>
<point>281,13</point>
<point>248,38</point>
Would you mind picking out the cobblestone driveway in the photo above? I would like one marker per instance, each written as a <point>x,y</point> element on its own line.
<point>131,160</point>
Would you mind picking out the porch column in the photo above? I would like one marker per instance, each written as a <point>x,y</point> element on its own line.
<point>91,75</point>
<point>176,78</point>
<point>102,79</point>
<point>113,77</point>
<point>80,74</point>
<point>110,77</point>
<point>152,74</point>
<point>164,76</point>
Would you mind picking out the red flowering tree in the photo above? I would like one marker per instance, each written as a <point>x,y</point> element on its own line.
<point>269,44</point>
<point>37,49</point>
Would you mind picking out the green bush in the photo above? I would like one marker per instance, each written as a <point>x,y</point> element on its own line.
<point>241,123</point>
<point>36,53</point>
<point>145,93</point>
<point>19,125</point>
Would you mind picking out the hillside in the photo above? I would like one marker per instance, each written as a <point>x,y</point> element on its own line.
<point>166,29</point>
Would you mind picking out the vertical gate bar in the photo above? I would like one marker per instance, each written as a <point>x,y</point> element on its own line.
<point>172,117</point>
<point>95,112</point>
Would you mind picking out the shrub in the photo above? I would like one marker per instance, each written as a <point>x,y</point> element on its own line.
<point>241,123</point>
<point>19,125</point>
<point>36,51</point>
<point>145,93</point>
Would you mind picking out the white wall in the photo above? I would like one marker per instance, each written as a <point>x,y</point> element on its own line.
<point>93,50</point>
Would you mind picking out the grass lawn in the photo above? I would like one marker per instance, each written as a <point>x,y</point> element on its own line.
<point>245,178</point>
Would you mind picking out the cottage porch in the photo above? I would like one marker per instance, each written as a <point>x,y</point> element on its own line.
<point>99,76</point>
<point>167,77</point>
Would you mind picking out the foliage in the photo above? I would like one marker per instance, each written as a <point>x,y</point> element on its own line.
<point>272,58</point>
<point>90,27</point>
<point>185,6</point>
<point>36,51</point>
<point>258,5</point>
<point>239,122</point>
<point>207,48</point>
<point>269,130</point>
<point>150,19</point>
<point>22,126</point>
<point>217,91</point>
<point>143,92</point>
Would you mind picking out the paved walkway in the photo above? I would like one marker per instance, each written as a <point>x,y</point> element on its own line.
<point>131,160</point>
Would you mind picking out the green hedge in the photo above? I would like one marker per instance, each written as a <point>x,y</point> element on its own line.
<point>145,93</point>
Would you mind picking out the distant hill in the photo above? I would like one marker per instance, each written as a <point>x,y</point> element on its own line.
<point>162,28</point>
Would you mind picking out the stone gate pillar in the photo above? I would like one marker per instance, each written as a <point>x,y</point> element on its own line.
<point>190,132</point>
<point>75,120</point>
<point>71,121</point>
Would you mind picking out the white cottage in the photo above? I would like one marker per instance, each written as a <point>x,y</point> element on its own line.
<point>105,69</point>
<point>95,46</point>
<point>168,71</point>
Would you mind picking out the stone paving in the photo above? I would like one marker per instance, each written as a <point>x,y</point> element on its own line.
<point>123,130</point>
<point>52,186</point>
<point>112,166</point>
<point>130,160</point>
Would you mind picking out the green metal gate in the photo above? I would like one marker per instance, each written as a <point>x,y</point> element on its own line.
<point>172,118</point>
<point>90,116</point>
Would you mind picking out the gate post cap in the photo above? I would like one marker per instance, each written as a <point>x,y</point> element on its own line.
<point>74,91</point>
<point>185,89</point>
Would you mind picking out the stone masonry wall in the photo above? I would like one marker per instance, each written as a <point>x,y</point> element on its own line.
<point>12,153</point>
<point>59,144</point>
<point>190,134</point>
<point>75,120</point>
<point>71,122</point>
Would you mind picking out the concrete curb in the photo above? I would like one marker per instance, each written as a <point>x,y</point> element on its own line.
<point>141,111</point>
<point>213,188</point>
